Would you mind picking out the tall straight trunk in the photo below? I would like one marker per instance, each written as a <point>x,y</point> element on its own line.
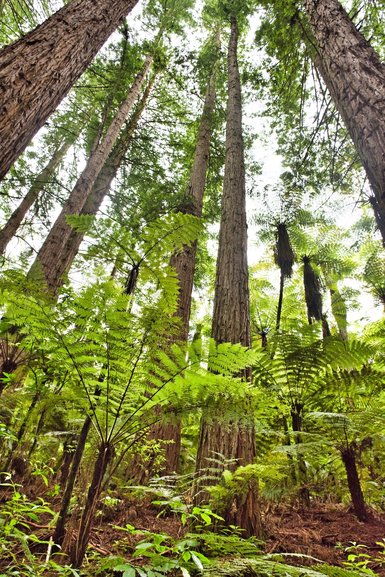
<point>349,460</point>
<point>42,179</point>
<point>355,78</point>
<point>221,433</point>
<point>46,262</point>
<point>183,262</point>
<point>37,71</point>
<point>78,550</point>
<point>101,187</point>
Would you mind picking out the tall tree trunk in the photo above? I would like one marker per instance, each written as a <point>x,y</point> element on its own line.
<point>355,78</point>
<point>349,460</point>
<point>231,437</point>
<point>47,260</point>
<point>183,262</point>
<point>37,71</point>
<point>104,457</point>
<point>102,185</point>
<point>42,179</point>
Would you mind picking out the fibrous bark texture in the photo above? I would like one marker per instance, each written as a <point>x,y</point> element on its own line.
<point>184,261</point>
<point>224,432</point>
<point>355,77</point>
<point>48,258</point>
<point>231,317</point>
<point>37,71</point>
<point>104,458</point>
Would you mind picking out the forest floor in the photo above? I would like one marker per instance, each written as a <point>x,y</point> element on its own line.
<point>323,531</point>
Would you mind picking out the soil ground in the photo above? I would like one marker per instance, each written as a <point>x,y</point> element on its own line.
<point>322,531</point>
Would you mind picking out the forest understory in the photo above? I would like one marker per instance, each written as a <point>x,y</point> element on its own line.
<point>325,533</point>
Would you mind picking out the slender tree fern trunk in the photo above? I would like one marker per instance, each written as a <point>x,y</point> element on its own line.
<point>37,71</point>
<point>280,301</point>
<point>59,533</point>
<point>49,256</point>
<point>11,226</point>
<point>349,459</point>
<point>104,457</point>
<point>293,473</point>
<point>355,78</point>
<point>232,437</point>
<point>296,416</point>
<point>63,468</point>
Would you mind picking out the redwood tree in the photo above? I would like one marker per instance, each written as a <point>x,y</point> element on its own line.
<point>47,262</point>
<point>232,437</point>
<point>37,71</point>
<point>184,261</point>
<point>102,185</point>
<point>355,78</point>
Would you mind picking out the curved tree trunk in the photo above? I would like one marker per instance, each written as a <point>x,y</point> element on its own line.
<point>232,438</point>
<point>355,78</point>
<point>46,263</point>
<point>296,419</point>
<point>42,179</point>
<point>37,71</point>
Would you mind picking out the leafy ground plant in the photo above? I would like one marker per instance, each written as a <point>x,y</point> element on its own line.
<point>158,554</point>
<point>18,541</point>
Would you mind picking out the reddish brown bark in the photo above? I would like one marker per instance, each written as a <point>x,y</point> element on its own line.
<point>355,77</point>
<point>184,261</point>
<point>43,178</point>
<point>46,263</point>
<point>37,71</point>
<point>224,433</point>
<point>231,317</point>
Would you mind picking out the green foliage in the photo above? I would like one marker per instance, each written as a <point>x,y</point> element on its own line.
<point>273,566</point>
<point>162,555</point>
<point>19,539</point>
